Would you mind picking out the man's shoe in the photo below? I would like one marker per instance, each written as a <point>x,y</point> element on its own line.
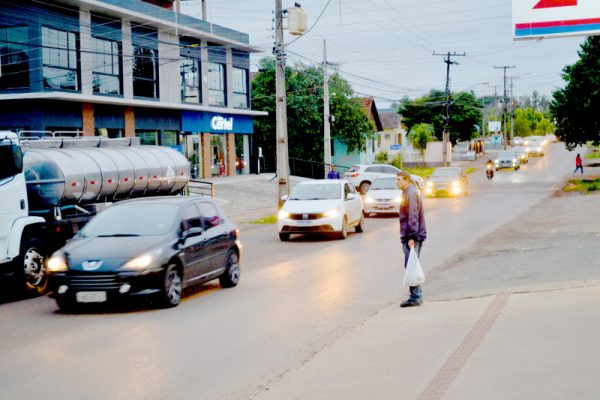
<point>411,303</point>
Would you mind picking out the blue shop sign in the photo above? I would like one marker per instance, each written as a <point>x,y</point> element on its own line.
<point>195,121</point>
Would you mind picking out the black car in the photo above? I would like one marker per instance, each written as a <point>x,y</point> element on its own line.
<point>154,246</point>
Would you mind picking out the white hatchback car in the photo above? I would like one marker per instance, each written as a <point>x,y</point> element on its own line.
<point>362,175</point>
<point>321,206</point>
<point>383,197</point>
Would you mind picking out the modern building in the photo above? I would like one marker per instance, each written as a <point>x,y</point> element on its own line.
<point>124,68</point>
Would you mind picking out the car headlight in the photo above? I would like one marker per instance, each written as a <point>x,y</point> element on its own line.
<point>496,161</point>
<point>429,184</point>
<point>283,214</point>
<point>143,261</point>
<point>57,263</point>
<point>369,200</point>
<point>397,199</point>
<point>455,184</point>
<point>514,160</point>
<point>331,213</point>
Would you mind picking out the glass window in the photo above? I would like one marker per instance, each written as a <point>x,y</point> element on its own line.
<point>216,84</point>
<point>240,87</point>
<point>145,72</point>
<point>190,81</point>
<point>109,133</point>
<point>147,137</point>
<point>60,64</point>
<point>168,138</point>
<point>132,219</point>
<point>190,218</point>
<point>209,214</point>
<point>106,72</point>
<point>14,59</point>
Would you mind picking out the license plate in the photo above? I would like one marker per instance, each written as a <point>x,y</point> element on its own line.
<point>384,206</point>
<point>90,297</point>
<point>305,223</point>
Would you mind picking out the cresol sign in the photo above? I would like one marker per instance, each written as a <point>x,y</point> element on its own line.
<point>219,123</point>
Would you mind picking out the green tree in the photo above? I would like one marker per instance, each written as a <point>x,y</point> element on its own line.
<point>304,97</point>
<point>575,107</point>
<point>530,121</point>
<point>419,135</point>
<point>465,114</point>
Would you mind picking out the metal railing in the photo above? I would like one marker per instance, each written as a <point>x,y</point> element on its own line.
<point>202,188</point>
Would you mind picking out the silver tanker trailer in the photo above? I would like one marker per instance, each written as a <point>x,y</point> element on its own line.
<point>51,187</point>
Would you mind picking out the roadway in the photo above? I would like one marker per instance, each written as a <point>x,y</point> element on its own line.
<point>294,300</point>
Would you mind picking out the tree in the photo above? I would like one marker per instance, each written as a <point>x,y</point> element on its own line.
<point>575,107</point>
<point>465,114</point>
<point>529,121</point>
<point>419,136</point>
<point>304,89</point>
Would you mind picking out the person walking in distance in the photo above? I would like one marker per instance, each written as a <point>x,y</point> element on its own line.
<point>412,228</point>
<point>578,164</point>
<point>333,174</point>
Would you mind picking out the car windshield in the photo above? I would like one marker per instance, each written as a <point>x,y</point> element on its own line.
<point>316,192</point>
<point>384,184</point>
<point>507,154</point>
<point>354,168</point>
<point>444,172</point>
<point>134,219</point>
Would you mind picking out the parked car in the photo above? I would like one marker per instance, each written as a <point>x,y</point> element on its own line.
<point>362,175</point>
<point>153,246</point>
<point>522,153</point>
<point>383,196</point>
<point>507,159</point>
<point>517,141</point>
<point>321,206</point>
<point>450,181</point>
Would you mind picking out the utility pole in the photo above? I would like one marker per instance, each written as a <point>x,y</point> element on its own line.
<point>505,105</point>
<point>280,111</point>
<point>512,109</point>
<point>326,117</point>
<point>446,133</point>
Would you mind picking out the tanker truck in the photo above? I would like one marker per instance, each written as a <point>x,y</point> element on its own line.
<point>50,187</point>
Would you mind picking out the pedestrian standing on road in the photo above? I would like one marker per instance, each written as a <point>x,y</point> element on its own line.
<point>333,174</point>
<point>578,164</point>
<point>412,228</point>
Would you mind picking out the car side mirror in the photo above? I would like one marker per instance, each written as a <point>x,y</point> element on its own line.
<point>285,197</point>
<point>350,196</point>
<point>194,231</point>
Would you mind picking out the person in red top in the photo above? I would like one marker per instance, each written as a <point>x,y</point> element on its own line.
<point>578,164</point>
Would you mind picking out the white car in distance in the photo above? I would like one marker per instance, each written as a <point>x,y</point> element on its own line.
<point>383,197</point>
<point>330,206</point>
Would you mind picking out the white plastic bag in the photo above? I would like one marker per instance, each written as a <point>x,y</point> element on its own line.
<point>413,275</point>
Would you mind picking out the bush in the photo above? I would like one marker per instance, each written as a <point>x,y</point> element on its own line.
<point>397,161</point>
<point>381,157</point>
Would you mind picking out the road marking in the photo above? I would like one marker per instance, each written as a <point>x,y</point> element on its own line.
<point>439,385</point>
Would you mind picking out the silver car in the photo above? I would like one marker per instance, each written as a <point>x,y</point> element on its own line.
<point>507,159</point>
<point>383,197</point>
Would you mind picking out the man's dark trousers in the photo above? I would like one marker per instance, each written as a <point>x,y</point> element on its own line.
<point>415,291</point>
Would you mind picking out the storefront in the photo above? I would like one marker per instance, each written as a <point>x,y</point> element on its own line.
<point>217,144</point>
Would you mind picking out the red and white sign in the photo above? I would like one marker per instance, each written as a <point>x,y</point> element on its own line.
<point>555,18</point>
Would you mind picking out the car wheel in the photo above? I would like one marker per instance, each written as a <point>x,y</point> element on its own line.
<point>65,305</point>
<point>364,187</point>
<point>172,287</point>
<point>284,237</point>
<point>31,266</point>
<point>359,228</point>
<point>231,276</point>
<point>343,234</point>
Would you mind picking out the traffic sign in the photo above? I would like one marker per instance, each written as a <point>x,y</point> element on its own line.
<point>534,19</point>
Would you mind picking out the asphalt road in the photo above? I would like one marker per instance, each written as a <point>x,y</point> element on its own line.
<point>294,300</point>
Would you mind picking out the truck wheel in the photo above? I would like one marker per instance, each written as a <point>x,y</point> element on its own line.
<point>31,266</point>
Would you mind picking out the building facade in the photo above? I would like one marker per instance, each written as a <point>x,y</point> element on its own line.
<point>123,68</point>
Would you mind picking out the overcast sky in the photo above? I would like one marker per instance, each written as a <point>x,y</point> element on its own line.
<point>384,47</point>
